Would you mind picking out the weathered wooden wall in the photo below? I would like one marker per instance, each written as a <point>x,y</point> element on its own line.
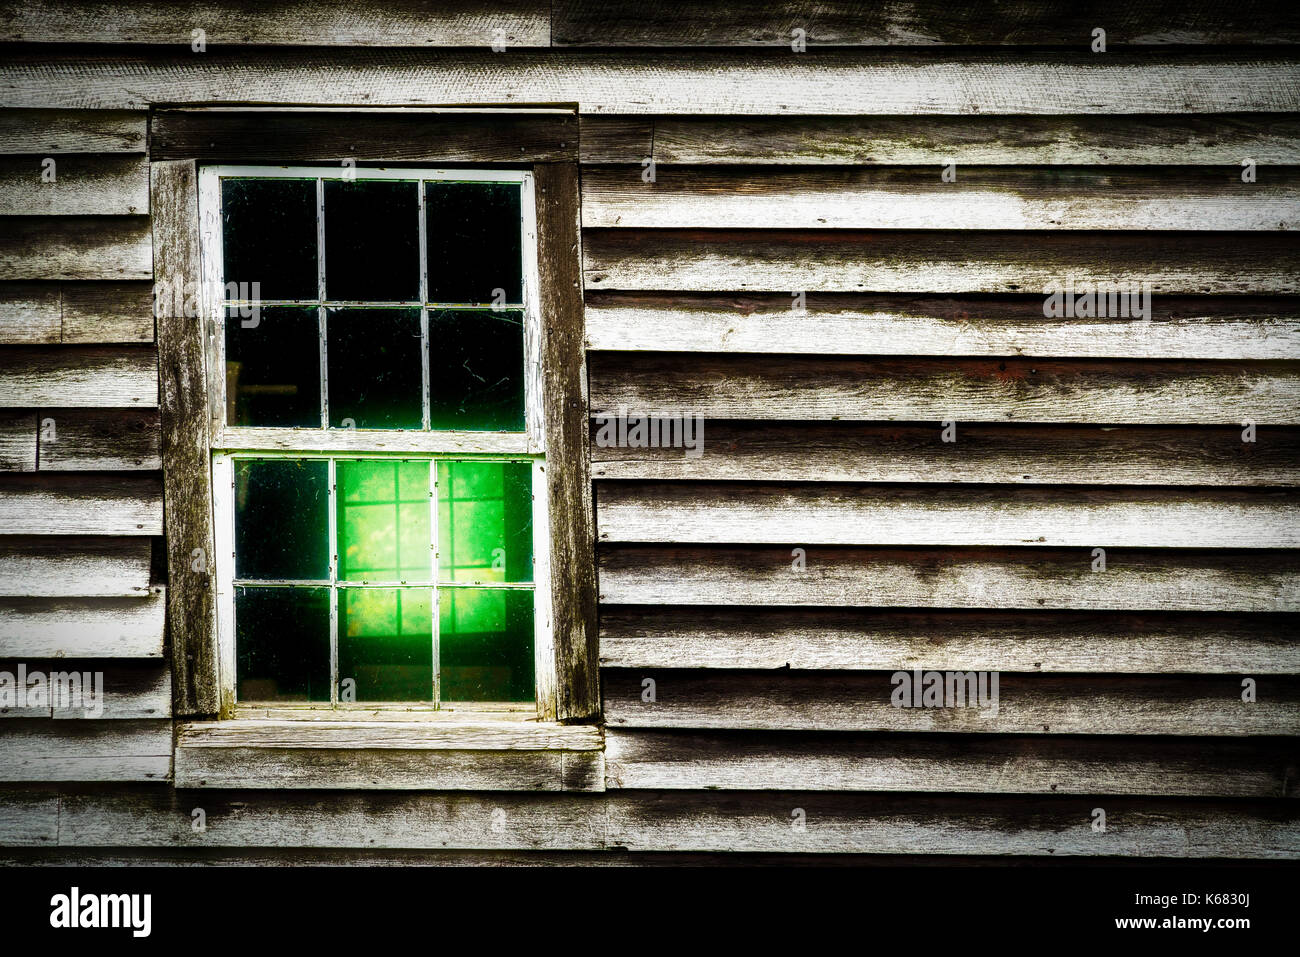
<point>775,172</point>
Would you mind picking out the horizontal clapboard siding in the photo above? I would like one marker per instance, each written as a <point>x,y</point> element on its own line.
<point>94,376</point>
<point>82,627</point>
<point>81,505</point>
<point>90,751</point>
<point>53,566</point>
<point>75,247</point>
<point>74,186</point>
<point>132,690</point>
<point>887,639</point>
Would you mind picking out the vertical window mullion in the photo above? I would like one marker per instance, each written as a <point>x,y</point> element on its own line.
<point>332,505</point>
<point>320,305</point>
<point>425,384</point>
<point>437,593</point>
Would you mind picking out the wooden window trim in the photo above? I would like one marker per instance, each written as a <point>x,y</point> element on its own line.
<point>186,394</point>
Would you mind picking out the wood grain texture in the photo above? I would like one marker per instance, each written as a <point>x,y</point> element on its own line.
<point>18,441</point>
<point>1003,453</point>
<point>286,22</point>
<point>93,376</point>
<point>187,466</point>
<point>873,514</point>
<point>51,566</point>
<point>1152,140</point>
<point>323,136</point>
<point>625,23</point>
<point>83,627</point>
<point>796,761</point>
<point>1202,327</point>
<point>334,732</point>
<point>75,247</point>
<point>980,198</point>
<point>1167,580</point>
<point>948,262</point>
<point>95,690</point>
<point>615,139</point>
<point>937,390</point>
<point>572,558</point>
<point>1026,704</point>
<point>893,639</point>
<point>86,751</point>
<point>91,185</point>
<point>79,312</point>
<point>72,131</point>
<point>767,82</point>
<point>81,505</point>
<point>100,440</point>
<point>908,824</point>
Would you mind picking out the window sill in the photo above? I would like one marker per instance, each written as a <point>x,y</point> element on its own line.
<point>448,753</point>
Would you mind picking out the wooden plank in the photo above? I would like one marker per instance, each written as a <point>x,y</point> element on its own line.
<point>82,627</point>
<point>858,514</point>
<point>1003,453</point>
<point>981,197</point>
<point>949,824</point>
<point>948,578</point>
<point>133,690</point>
<point>186,463</point>
<point>796,761</point>
<point>705,82</point>
<point>310,22</point>
<point>625,23</point>
<point>1025,704</point>
<point>79,312</point>
<point>95,376</point>
<point>394,135</point>
<point>161,817</point>
<point>936,262</point>
<point>75,247</point>
<point>55,567</point>
<point>86,751</point>
<point>1199,327</point>
<point>72,131</point>
<point>1152,140</point>
<point>572,536</point>
<point>100,440</point>
<point>81,505</point>
<point>891,639</point>
<point>18,441</point>
<point>938,390</point>
<point>29,818</point>
<point>615,139</point>
<point>81,186</point>
<point>332,733</point>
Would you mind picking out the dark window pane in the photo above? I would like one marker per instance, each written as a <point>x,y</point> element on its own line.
<point>383,521</point>
<point>372,240</point>
<point>476,370</point>
<point>269,235</point>
<point>282,642</point>
<point>273,367</point>
<point>485,642</point>
<point>475,238</point>
<point>281,519</point>
<point>386,643</point>
<point>485,522</point>
<point>374,368</point>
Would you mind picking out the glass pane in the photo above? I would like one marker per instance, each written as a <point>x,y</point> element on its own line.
<point>374,368</point>
<point>476,370</point>
<point>281,519</point>
<point>372,240</point>
<point>475,242</point>
<point>485,522</point>
<point>282,642</point>
<point>273,367</point>
<point>269,235</point>
<point>383,521</point>
<point>485,642</point>
<point>386,643</point>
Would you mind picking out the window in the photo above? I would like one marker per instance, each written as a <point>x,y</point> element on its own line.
<point>378,461</point>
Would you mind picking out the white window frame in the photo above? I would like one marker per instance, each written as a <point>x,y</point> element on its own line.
<point>231,443</point>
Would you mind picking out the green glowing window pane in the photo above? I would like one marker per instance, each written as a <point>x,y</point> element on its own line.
<point>383,521</point>
<point>485,522</point>
<point>485,642</point>
<point>374,368</point>
<point>273,367</point>
<point>476,370</point>
<point>281,519</point>
<point>386,643</point>
<point>283,641</point>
